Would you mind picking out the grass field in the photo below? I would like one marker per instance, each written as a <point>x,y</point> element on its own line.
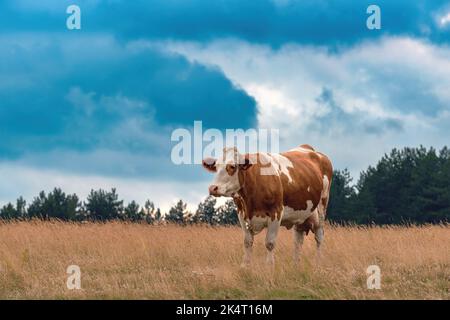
<point>133,261</point>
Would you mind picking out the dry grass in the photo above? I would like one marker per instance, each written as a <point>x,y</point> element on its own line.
<point>132,261</point>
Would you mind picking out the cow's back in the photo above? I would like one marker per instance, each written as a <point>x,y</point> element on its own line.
<point>310,175</point>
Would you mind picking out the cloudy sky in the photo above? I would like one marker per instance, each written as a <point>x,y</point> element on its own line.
<point>95,108</point>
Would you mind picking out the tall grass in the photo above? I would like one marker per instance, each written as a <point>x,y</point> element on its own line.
<point>138,261</point>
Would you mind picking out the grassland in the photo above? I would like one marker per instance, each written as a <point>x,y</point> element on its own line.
<point>134,261</point>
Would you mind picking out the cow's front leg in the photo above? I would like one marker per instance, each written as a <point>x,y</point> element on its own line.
<point>271,237</point>
<point>248,248</point>
<point>248,242</point>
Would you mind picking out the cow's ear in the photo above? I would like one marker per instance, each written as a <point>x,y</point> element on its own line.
<point>247,164</point>
<point>209,164</point>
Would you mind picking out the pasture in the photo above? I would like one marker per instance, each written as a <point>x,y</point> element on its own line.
<point>139,261</point>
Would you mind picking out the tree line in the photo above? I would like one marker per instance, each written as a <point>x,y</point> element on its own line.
<point>101,205</point>
<point>406,186</point>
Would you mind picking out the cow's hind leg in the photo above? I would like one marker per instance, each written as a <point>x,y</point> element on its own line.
<point>299,236</point>
<point>321,213</point>
<point>318,236</point>
<point>271,236</point>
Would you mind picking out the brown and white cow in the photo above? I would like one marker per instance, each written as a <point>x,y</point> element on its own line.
<point>289,189</point>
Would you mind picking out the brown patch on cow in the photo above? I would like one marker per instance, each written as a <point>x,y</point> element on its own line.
<point>265,195</point>
<point>305,227</point>
<point>310,224</point>
<point>240,205</point>
<point>231,169</point>
<point>247,163</point>
<point>307,174</point>
<point>262,195</point>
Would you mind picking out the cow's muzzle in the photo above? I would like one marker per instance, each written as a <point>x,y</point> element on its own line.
<point>214,190</point>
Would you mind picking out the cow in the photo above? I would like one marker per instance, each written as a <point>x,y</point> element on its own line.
<point>270,190</point>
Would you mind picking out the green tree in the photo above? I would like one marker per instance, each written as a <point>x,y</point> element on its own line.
<point>103,205</point>
<point>227,214</point>
<point>61,206</point>
<point>8,212</point>
<point>407,185</point>
<point>158,216</point>
<point>177,213</point>
<point>36,208</point>
<point>21,207</point>
<point>206,211</point>
<point>149,212</point>
<point>362,207</point>
<point>342,194</point>
<point>132,212</point>
<point>54,205</point>
<point>430,201</point>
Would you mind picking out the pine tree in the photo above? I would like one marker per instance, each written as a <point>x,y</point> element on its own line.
<point>227,214</point>
<point>102,205</point>
<point>54,205</point>
<point>36,209</point>
<point>21,208</point>
<point>206,211</point>
<point>158,215</point>
<point>8,212</point>
<point>148,212</point>
<point>177,213</point>
<point>132,212</point>
<point>342,193</point>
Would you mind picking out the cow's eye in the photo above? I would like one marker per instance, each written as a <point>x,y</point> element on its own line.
<point>232,167</point>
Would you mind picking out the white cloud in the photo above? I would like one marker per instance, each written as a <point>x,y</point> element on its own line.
<point>381,94</point>
<point>444,20</point>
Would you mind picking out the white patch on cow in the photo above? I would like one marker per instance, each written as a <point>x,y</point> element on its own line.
<point>326,185</point>
<point>309,189</point>
<point>297,216</point>
<point>227,185</point>
<point>300,149</point>
<point>267,167</point>
<point>324,195</point>
<point>280,164</point>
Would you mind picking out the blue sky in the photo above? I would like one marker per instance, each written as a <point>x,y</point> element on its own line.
<point>95,107</point>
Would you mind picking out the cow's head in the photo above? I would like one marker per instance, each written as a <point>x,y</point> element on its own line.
<point>226,169</point>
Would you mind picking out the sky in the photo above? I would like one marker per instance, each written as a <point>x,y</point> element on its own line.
<point>96,107</point>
